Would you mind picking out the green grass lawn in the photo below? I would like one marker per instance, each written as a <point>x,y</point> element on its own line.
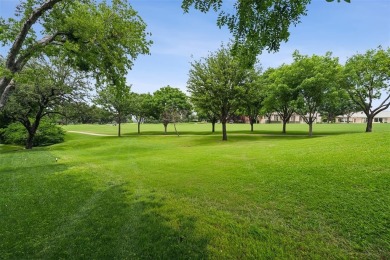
<point>256,196</point>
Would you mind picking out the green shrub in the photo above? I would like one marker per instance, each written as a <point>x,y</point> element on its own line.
<point>47,134</point>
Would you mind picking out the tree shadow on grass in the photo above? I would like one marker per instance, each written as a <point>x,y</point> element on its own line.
<point>79,221</point>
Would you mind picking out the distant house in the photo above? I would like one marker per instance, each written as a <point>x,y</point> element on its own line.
<point>360,117</point>
<point>294,119</point>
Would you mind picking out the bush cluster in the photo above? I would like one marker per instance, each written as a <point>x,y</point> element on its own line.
<point>47,134</point>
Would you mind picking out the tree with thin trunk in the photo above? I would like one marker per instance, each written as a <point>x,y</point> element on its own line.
<point>254,96</point>
<point>368,79</point>
<point>217,83</point>
<point>142,107</point>
<point>116,98</point>
<point>103,38</point>
<point>281,93</point>
<point>170,105</point>
<point>316,76</point>
<point>206,114</point>
<point>42,88</point>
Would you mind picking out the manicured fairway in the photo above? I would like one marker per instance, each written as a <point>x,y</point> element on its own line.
<point>256,196</point>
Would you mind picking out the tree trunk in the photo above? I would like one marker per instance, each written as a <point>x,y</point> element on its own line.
<point>224,134</point>
<point>251,122</point>
<point>310,128</point>
<point>6,87</point>
<point>30,139</point>
<point>370,119</point>
<point>174,125</point>
<point>119,128</point>
<point>213,121</point>
<point>284,126</point>
<point>165,128</point>
<point>139,126</point>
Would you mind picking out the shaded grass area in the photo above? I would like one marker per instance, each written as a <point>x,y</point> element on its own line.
<point>193,197</point>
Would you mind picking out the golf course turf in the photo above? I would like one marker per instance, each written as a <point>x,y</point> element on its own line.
<point>260,195</point>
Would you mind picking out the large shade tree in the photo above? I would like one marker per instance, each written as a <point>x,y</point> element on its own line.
<point>42,89</point>
<point>217,83</point>
<point>101,37</point>
<point>368,79</point>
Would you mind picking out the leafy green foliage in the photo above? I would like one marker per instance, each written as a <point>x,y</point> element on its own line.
<point>217,84</point>
<point>116,99</point>
<point>142,107</point>
<point>255,25</point>
<point>170,105</point>
<point>103,37</point>
<point>47,134</point>
<point>282,92</point>
<point>316,75</point>
<point>43,87</point>
<point>367,79</point>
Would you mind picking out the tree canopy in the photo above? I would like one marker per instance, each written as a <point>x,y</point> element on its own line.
<point>217,84</point>
<point>255,24</point>
<point>316,75</point>
<point>100,37</point>
<point>41,90</point>
<point>170,105</point>
<point>368,79</point>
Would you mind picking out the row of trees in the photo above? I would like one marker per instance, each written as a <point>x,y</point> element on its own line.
<point>220,87</point>
<point>54,89</point>
<point>102,39</point>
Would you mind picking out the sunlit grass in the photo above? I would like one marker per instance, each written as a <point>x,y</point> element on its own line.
<point>166,197</point>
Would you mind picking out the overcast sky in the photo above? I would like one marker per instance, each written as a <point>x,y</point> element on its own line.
<point>342,28</point>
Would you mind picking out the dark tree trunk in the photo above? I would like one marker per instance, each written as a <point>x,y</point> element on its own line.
<point>213,121</point>
<point>370,119</point>
<point>284,126</point>
<point>252,121</point>
<point>119,128</point>
<point>224,134</point>
<point>30,139</point>
<point>139,126</point>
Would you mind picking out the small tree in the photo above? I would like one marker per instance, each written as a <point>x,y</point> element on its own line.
<point>368,79</point>
<point>253,98</point>
<point>170,105</point>
<point>142,107</point>
<point>316,76</point>
<point>282,93</point>
<point>116,98</point>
